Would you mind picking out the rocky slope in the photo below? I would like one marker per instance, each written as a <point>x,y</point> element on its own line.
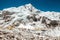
<point>31,23</point>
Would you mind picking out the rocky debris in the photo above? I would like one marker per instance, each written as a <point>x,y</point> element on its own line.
<point>24,34</point>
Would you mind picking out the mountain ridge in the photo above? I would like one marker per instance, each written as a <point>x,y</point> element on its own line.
<point>29,17</point>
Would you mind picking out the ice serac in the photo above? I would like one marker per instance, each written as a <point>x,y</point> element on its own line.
<point>27,16</point>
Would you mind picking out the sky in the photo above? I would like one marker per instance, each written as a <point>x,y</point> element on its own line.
<point>44,5</point>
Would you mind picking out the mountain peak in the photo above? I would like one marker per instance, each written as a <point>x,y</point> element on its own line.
<point>29,4</point>
<point>27,7</point>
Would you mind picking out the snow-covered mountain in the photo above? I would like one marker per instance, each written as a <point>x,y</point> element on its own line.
<point>27,16</point>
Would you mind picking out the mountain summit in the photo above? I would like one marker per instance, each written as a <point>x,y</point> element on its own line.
<point>27,7</point>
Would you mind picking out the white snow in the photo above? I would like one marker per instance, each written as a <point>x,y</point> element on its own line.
<point>55,32</point>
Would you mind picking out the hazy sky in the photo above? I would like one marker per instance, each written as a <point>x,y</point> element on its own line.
<point>45,5</point>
